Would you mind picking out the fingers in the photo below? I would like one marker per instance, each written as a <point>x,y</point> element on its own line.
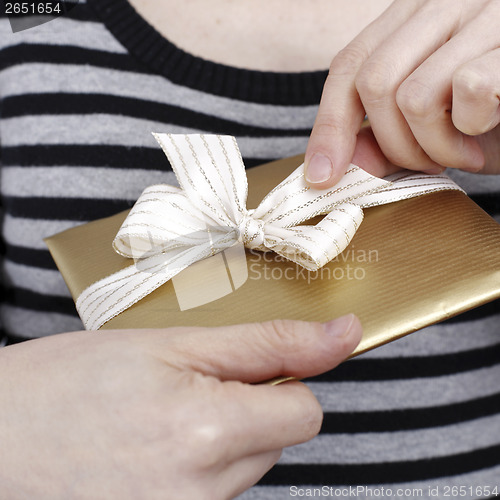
<point>410,89</point>
<point>226,421</point>
<point>260,351</point>
<point>250,419</point>
<point>341,112</point>
<point>476,94</point>
<point>425,98</point>
<point>408,107</point>
<point>240,419</point>
<point>379,80</point>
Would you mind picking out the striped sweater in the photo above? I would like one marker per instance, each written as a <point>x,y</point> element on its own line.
<point>79,97</point>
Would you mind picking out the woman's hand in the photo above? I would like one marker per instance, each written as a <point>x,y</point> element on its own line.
<point>427,74</point>
<point>159,413</point>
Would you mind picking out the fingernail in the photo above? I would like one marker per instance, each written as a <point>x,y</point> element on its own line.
<point>340,327</point>
<point>434,171</point>
<point>471,170</point>
<point>319,169</point>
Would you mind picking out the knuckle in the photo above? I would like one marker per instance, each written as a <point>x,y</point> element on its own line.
<point>326,125</point>
<point>313,419</point>
<point>282,330</point>
<point>291,335</point>
<point>471,83</point>
<point>349,60</point>
<point>416,99</point>
<point>474,99</point>
<point>199,421</point>
<point>374,81</point>
<point>203,444</point>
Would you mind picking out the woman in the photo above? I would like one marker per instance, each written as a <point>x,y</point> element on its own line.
<point>80,96</point>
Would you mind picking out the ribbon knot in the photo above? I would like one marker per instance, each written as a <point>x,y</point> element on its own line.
<point>251,231</point>
<point>170,228</point>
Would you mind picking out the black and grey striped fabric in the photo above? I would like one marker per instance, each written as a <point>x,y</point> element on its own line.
<point>79,97</point>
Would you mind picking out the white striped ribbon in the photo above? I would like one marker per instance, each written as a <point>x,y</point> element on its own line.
<point>170,228</point>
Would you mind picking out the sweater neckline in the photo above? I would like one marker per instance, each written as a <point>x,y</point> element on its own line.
<point>147,45</point>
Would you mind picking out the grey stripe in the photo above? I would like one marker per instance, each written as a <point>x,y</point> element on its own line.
<point>36,78</point>
<point>32,324</point>
<point>417,489</point>
<point>101,129</point>
<point>81,182</point>
<point>401,394</point>
<point>443,339</point>
<point>475,183</point>
<point>64,31</point>
<point>30,233</point>
<point>396,446</point>
<point>44,281</point>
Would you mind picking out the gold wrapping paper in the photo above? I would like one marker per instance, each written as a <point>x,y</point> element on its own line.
<point>411,264</point>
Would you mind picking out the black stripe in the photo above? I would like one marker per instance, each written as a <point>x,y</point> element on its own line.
<point>75,209</point>
<point>83,104</point>
<point>25,53</point>
<point>383,473</point>
<point>410,419</point>
<point>255,162</point>
<point>489,202</point>
<point>481,312</point>
<point>82,13</point>
<point>76,155</point>
<point>412,367</point>
<point>27,299</point>
<point>86,156</point>
<point>29,257</point>
<point>9,339</point>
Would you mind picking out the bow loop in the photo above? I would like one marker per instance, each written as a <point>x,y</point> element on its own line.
<point>211,173</point>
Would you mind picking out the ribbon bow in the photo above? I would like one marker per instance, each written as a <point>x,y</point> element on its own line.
<point>170,228</point>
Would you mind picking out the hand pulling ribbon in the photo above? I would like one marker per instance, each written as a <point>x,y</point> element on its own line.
<point>170,228</point>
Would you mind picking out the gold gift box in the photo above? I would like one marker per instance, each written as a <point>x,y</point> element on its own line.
<point>411,264</point>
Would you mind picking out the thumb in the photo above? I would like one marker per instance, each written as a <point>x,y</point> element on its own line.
<point>260,351</point>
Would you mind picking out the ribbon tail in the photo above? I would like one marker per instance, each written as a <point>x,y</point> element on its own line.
<point>108,297</point>
<point>404,185</point>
